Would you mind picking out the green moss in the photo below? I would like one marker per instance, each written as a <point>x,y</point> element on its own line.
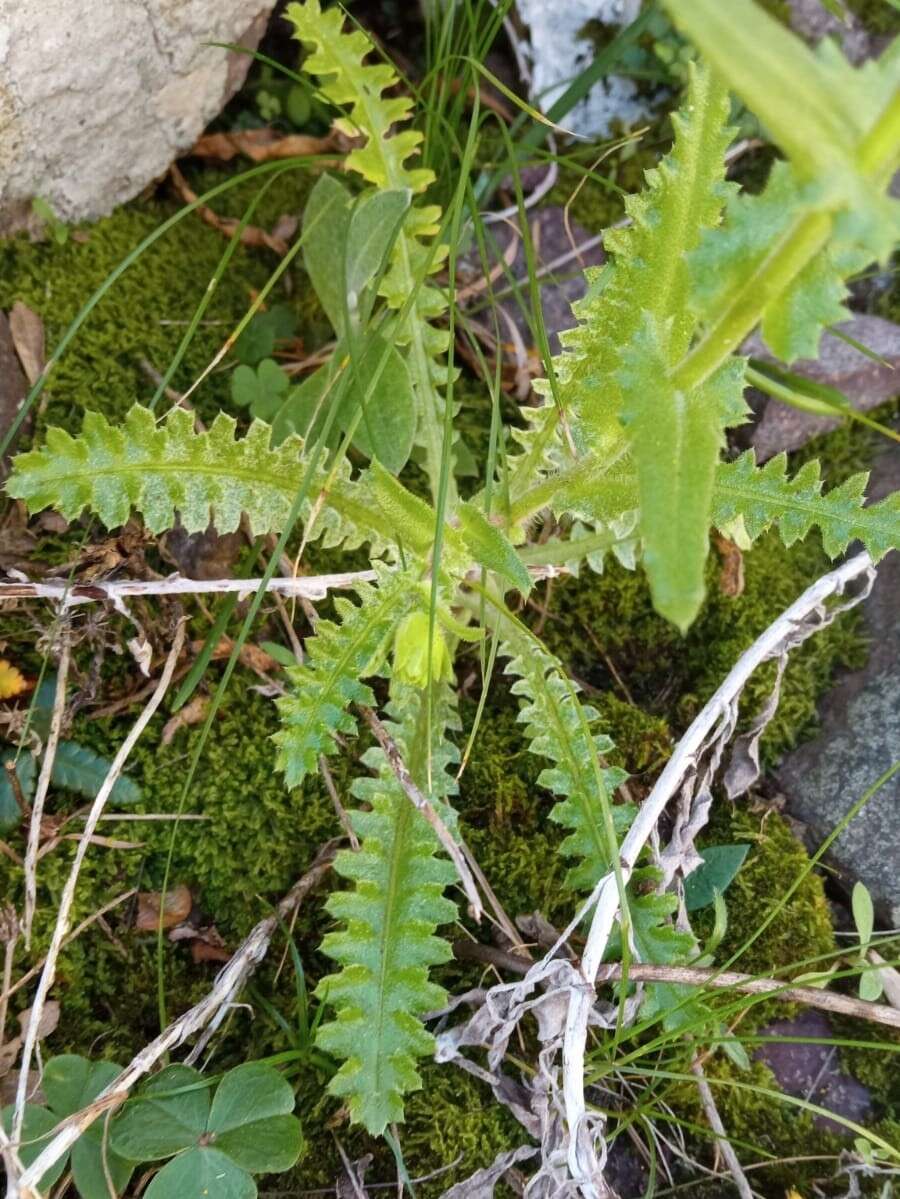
<point>803,930</point>
<point>604,627</point>
<point>877,16</point>
<point>145,314</point>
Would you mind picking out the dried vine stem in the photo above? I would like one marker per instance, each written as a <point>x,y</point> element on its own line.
<point>43,783</point>
<point>714,722</point>
<point>63,918</point>
<point>697,976</point>
<point>68,594</point>
<point>715,1122</point>
<point>306,587</point>
<point>228,984</point>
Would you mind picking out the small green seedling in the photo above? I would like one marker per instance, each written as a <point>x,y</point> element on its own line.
<point>42,210</point>
<point>870,981</point>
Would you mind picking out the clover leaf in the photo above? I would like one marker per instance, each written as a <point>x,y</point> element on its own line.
<point>36,1129</point>
<point>71,1083</point>
<point>215,1146</point>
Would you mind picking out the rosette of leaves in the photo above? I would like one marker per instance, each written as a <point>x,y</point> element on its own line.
<point>215,1145</point>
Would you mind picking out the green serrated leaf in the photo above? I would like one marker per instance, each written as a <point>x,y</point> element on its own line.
<point>79,769</point>
<point>720,865</point>
<point>766,496</point>
<point>339,658</point>
<point>792,90</point>
<point>387,943</point>
<point>676,439</point>
<point>793,319</point>
<point>558,727</point>
<point>684,195</point>
<point>339,59</point>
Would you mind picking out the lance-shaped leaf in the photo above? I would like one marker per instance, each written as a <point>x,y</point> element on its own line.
<point>387,943</point>
<point>562,729</point>
<point>764,496</point>
<point>683,196</point>
<point>160,470</point>
<point>675,439</point>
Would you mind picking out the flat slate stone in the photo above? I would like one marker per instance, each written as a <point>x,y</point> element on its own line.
<point>858,742</point>
<point>865,381</point>
<point>812,1071</point>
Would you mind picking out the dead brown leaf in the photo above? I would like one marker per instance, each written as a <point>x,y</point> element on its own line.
<point>13,385</point>
<point>27,331</point>
<point>251,235</point>
<point>175,909</point>
<point>731,577</point>
<point>48,1022</point>
<point>192,713</point>
<point>262,145</point>
<point>251,656</point>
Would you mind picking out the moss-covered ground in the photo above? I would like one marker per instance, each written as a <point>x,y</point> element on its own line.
<point>253,838</point>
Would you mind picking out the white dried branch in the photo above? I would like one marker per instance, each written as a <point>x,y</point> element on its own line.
<point>571,1137</point>
<point>64,914</point>
<point>68,594</point>
<point>228,984</point>
<point>43,783</point>
<point>709,731</point>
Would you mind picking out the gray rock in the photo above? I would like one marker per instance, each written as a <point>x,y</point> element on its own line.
<point>864,381</point>
<point>96,100</point>
<point>812,1072</point>
<point>859,741</point>
<point>561,259</point>
<point>813,21</point>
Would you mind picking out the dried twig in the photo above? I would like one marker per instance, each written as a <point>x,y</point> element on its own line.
<point>340,810</point>
<point>43,783</point>
<point>228,983</point>
<point>573,1149</point>
<point>715,1123</point>
<point>707,733</point>
<point>64,913</point>
<point>314,587</point>
<point>697,976</point>
<point>423,804</point>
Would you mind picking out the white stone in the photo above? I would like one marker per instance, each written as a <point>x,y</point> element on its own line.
<point>97,97</point>
<point>560,51</point>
